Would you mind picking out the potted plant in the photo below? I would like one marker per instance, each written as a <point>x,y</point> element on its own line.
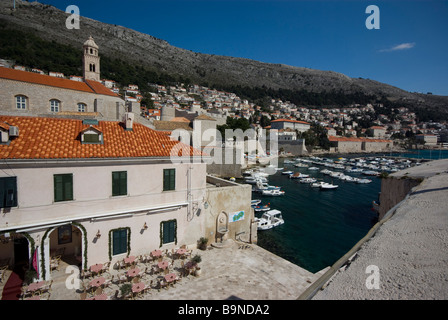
<point>30,276</point>
<point>125,289</point>
<point>202,243</point>
<point>195,261</point>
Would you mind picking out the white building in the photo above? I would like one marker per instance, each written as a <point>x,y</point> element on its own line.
<point>99,190</point>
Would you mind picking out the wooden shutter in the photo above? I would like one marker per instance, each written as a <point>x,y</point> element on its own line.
<point>63,187</point>
<point>120,241</point>
<point>68,186</point>
<point>169,179</point>
<point>8,192</point>
<point>169,229</point>
<point>119,183</point>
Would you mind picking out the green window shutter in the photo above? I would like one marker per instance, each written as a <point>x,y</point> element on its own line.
<point>120,241</point>
<point>8,192</point>
<point>119,183</point>
<point>58,195</point>
<point>63,187</point>
<point>115,184</point>
<point>173,179</point>
<point>169,229</point>
<point>169,179</point>
<point>124,183</point>
<point>68,187</point>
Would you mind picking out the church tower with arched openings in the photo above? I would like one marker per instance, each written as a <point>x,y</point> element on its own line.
<point>91,60</point>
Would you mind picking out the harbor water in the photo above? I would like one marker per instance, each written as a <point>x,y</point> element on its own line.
<point>320,226</point>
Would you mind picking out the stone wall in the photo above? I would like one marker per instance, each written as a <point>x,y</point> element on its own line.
<point>229,197</point>
<point>393,190</point>
<point>39,96</point>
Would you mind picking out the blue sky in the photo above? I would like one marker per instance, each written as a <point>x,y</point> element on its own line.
<point>410,50</point>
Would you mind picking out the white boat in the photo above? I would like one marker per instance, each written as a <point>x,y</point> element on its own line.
<point>301,165</point>
<point>298,175</point>
<point>260,186</point>
<point>287,172</point>
<point>254,180</point>
<point>317,184</point>
<point>307,180</point>
<point>371,173</point>
<point>262,208</point>
<point>363,181</point>
<point>313,168</point>
<point>272,192</point>
<point>328,186</point>
<point>255,202</point>
<point>269,220</point>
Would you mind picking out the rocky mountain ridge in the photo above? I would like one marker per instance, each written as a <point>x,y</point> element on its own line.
<point>116,41</point>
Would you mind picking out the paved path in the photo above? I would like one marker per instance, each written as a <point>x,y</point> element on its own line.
<point>237,272</point>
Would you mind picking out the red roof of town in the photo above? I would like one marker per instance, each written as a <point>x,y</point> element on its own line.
<point>42,79</point>
<point>58,138</point>
<point>289,120</point>
<point>333,138</point>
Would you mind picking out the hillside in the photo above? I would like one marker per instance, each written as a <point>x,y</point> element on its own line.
<point>158,56</point>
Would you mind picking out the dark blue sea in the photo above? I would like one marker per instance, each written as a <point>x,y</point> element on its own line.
<point>320,226</point>
<point>423,154</point>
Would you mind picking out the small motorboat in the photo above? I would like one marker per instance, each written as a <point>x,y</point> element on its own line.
<point>301,165</point>
<point>298,175</point>
<point>328,186</point>
<point>307,180</point>
<point>317,184</point>
<point>269,220</point>
<point>255,202</point>
<point>287,172</point>
<point>363,181</point>
<point>274,192</point>
<point>266,207</point>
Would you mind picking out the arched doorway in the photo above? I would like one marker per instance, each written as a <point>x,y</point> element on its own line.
<point>14,250</point>
<point>65,247</point>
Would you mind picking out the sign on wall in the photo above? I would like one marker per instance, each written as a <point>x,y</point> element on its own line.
<point>236,216</point>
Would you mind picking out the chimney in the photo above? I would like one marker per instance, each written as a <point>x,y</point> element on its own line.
<point>128,120</point>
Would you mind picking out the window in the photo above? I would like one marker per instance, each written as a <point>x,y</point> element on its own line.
<point>169,179</point>
<point>63,187</point>
<point>82,107</point>
<point>54,105</point>
<point>21,102</point>
<point>8,192</point>
<point>119,183</point>
<point>91,138</point>
<point>119,241</point>
<point>168,231</point>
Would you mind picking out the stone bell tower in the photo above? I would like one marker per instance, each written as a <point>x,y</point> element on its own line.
<point>91,60</point>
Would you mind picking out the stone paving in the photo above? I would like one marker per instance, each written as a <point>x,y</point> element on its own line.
<point>240,271</point>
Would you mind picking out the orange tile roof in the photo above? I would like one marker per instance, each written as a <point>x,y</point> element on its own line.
<point>56,138</point>
<point>289,120</point>
<point>42,79</point>
<point>333,138</point>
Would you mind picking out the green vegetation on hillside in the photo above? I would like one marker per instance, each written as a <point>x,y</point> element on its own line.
<point>31,51</point>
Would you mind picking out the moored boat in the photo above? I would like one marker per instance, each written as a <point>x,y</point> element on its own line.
<point>307,180</point>
<point>266,207</point>
<point>269,220</point>
<point>328,186</point>
<point>272,192</point>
